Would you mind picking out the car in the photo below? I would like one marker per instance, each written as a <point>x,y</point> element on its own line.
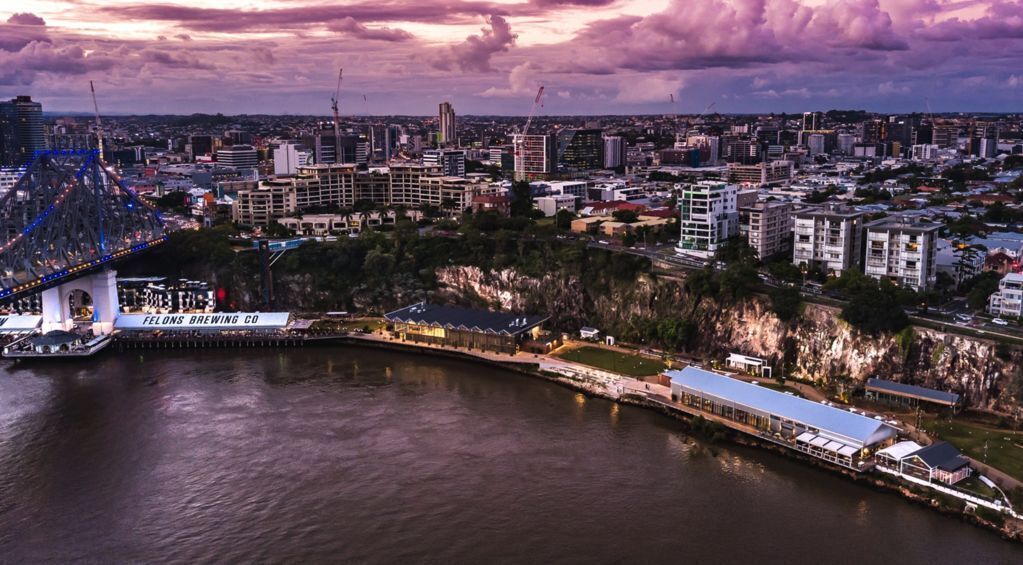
<point>963,317</point>
<point>604,242</point>
<point>999,322</point>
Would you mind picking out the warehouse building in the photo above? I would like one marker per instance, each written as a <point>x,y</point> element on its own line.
<point>909,395</point>
<point>450,326</point>
<point>819,430</point>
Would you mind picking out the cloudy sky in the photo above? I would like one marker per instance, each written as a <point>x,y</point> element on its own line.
<point>489,56</point>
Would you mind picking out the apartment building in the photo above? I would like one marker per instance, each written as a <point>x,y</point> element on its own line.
<point>761,174</point>
<point>902,250</point>
<point>828,237</point>
<point>534,156</point>
<point>708,217</point>
<point>406,180</point>
<point>324,185</point>
<point>767,226</point>
<point>263,205</point>
<point>319,225</point>
<point>373,185</point>
<point>1008,299</point>
<point>452,193</point>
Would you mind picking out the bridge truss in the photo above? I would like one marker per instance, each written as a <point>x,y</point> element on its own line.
<point>68,215</point>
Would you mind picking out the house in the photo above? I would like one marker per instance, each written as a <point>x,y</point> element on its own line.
<point>1000,263</point>
<point>940,461</point>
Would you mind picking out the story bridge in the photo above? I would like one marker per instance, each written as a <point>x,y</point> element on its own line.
<point>62,226</point>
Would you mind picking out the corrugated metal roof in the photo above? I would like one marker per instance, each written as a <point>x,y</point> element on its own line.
<point>451,317</point>
<point>825,418</point>
<point>913,390</point>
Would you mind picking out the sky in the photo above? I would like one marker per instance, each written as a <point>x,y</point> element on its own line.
<point>490,56</point>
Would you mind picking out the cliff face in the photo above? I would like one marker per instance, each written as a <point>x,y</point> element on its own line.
<point>816,346</point>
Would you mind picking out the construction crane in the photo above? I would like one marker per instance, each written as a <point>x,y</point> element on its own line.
<point>532,111</point>
<point>99,125</point>
<point>337,117</point>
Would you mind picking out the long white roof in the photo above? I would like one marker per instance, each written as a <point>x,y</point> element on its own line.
<point>832,422</point>
<point>217,321</point>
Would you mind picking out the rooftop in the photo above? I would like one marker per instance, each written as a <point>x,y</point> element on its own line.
<point>942,455</point>
<point>452,317</point>
<point>929,394</point>
<point>827,419</point>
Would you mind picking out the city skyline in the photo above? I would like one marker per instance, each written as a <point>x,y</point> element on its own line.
<point>594,56</point>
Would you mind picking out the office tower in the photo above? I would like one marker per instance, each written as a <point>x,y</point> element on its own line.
<point>709,146</point>
<point>21,130</point>
<point>450,161</point>
<point>845,142</point>
<point>709,216</point>
<point>871,131</point>
<point>815,143</point>
<point>580,150</point>
<point>614,152</point>
<point>812,121</point>
<point>241,156</point>
<point>238,137</point>
<point>447,124</point>
<point>534,156</point>
<point>945,136</point>
<point>289,156</point>
<point>200,145</point>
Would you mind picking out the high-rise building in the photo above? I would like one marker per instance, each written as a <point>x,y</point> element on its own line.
<point>240,156</point>
<point>709,216</point>
<point>709,146</point>
<point>945,136</point>
<point>827,237</point>
<point>903,251</point>
<point>199,146</point>
<point>767,226</point>
<point>580,149</point>
<point>534,156</point>
<point>812,121</point>
<point>815,143</point>
<point>614,152</point>
<point>447,124</point>
<point>21,130</point>
<point>289,156</point>
<point>450,161</point>
<point>845,142</point>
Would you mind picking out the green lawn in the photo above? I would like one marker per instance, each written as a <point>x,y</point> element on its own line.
<point>1002,451</point>
<point>613,361</point>
<point>773,385</point>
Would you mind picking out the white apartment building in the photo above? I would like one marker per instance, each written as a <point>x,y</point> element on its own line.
<point>551,205</point>
<point>320,225</point>
<point>925,152</point>
<point>324,185</point>
<point>767,226</point>
<point>709,217</point>
<point>1008,299</point>
<point>829,237</point>
<point>288,157</point>
<point>406,180</point>
<point>534,156</point>
<point>260,207</point>
<point>902,250</point>
<point>614,151</point>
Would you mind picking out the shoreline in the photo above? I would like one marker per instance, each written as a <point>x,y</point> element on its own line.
<point>877,483</point>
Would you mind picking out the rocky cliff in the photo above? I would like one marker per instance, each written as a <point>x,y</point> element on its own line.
<point>816,346</point>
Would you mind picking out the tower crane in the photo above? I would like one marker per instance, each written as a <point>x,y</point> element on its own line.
<point>337,118</point>
<point>532,111</point>
<point>99,125</point>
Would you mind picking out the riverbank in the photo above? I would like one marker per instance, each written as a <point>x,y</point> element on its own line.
<point>631,391</point>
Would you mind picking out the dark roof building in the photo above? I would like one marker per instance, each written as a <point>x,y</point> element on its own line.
<point>899,393</point>
<point>463,327</point>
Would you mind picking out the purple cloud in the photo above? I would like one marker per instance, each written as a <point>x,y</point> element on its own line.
<point>355,29</point>
<point>26,19</point>
<point>475,52</point>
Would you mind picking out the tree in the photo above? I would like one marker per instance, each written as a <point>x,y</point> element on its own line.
<point>874,308</point>
<point>522,199</point>
<point>625,216</point>
<point>737,250</point>
<point>983,287</point>
<point>563,219</point>
<point>785,271</point>
<point>277,230</point>
<point>176,199</point>
<point>786,302</point>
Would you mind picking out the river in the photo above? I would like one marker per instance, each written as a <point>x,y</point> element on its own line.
<point>355,455</point>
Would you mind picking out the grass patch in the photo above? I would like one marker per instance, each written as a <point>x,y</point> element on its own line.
<point>780,388</point>
<point>614,361</point>
<point>1003,452</point>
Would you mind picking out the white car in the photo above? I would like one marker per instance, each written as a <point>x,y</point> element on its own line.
<point>999,322</point>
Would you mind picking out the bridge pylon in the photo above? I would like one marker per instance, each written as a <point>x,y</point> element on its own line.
<point>101,287</point>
